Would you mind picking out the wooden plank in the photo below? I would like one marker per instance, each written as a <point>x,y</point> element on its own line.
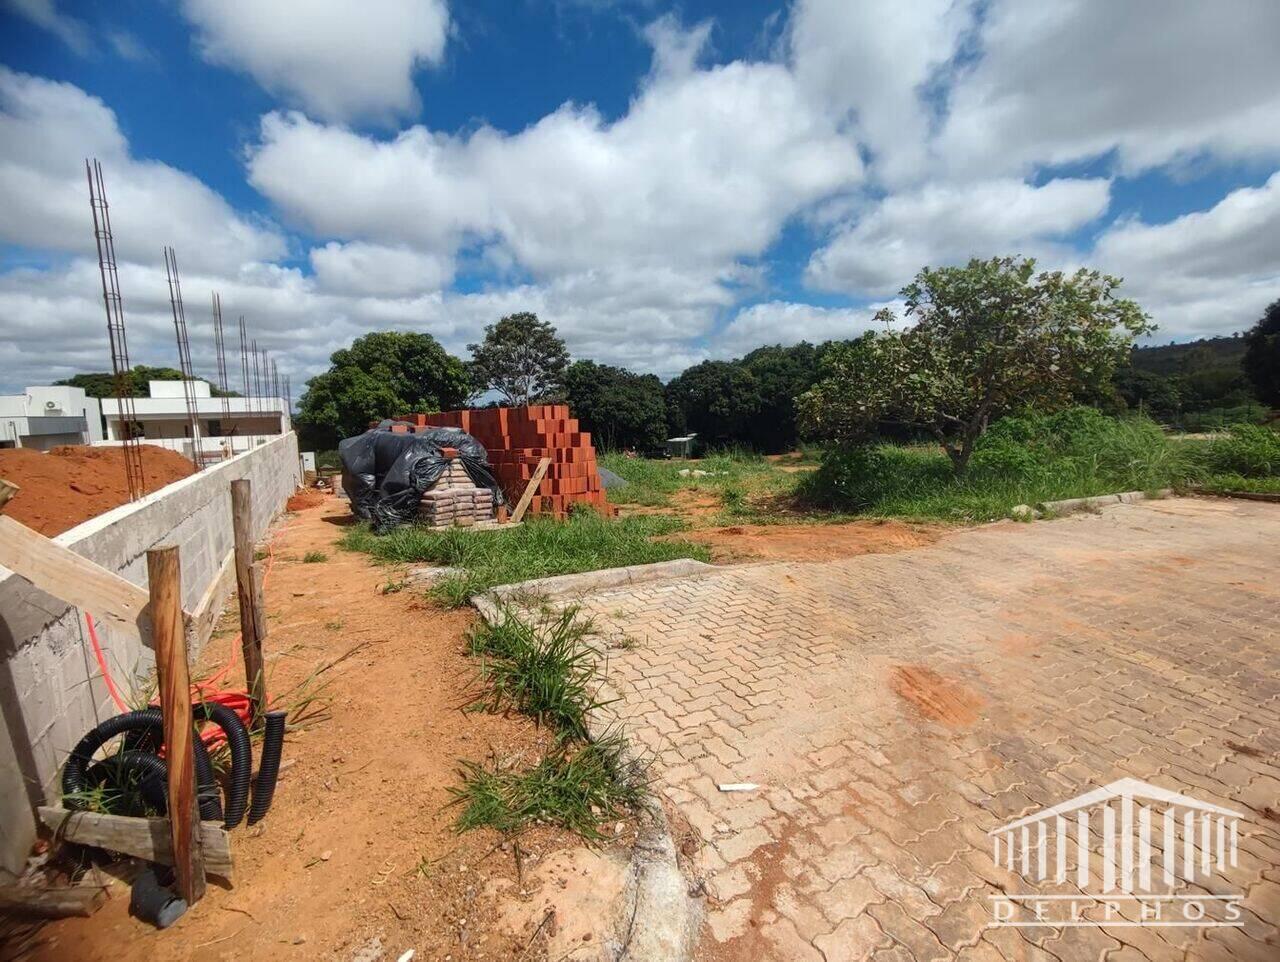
<point>52,903</point>
<point>253,619</point>
<point>146,838</point>
<point>76,580</point>
<point>201,621</point>
<point>7,490</point>
<point>523,504</point>
<point>164,574</point>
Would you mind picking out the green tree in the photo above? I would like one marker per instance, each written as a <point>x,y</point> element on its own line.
<point>521,357</point>
<point>782,374</point>
<point>380,375</point>
<point>619,408</point>
<point>988,338</point>
<point>1262,356</point>
<point>715,399</point>
<point>1157,395</point>
<point>102,384</point>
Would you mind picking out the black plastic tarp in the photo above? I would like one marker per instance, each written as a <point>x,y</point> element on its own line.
<point>385,473</point>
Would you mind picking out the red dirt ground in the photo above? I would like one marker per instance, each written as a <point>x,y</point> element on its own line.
<point>70,484</point>
<point>359,842</point>
<point>809,542</point>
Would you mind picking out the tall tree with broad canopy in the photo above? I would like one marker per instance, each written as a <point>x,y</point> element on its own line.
<point>1262,356</point>
<point>782,374</point>
<point>715,399</point>
<point>520,357</point>
<point>988,338</point>
<point>380,375</point>
<point>619,408</point>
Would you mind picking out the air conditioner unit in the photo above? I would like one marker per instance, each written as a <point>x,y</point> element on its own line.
<point>52,406</point>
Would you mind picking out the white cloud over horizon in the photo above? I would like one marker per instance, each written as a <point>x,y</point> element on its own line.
<point>338,61</point>
<point>890,137</point>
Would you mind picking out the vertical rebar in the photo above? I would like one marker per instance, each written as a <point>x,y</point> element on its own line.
<point>135,479</point>
<point>184,355</point>
<point>222,356</point>
<point>257,381</point>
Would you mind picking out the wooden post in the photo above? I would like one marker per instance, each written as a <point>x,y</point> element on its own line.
<point>253,621</point>
<point>165,579</point>
<point>7,490</point>
<point>523,505</point>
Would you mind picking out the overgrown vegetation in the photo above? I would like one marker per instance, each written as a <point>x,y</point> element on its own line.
<point>985,340</point>
<point>1247,450</point>
<point>538,548</point>
<point>1031,458</point>
<point>545,668</point>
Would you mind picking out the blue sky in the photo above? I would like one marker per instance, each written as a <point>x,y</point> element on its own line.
<point>664,182</point>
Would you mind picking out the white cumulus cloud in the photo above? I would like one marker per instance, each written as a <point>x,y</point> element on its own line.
<point>942,224</point>
<point>704,168</point>
<point>1154,82</point>
<point>1204,273</point>
<point>340,61</point>
<point>47,129</point>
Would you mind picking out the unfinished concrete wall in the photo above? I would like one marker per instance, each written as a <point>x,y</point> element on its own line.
<point>51,689</point>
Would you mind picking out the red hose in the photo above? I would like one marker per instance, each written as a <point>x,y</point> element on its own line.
<point>201,691</point>
<point>102,664</point>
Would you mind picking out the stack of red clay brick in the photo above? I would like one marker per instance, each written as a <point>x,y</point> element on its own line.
<point>517,438</point>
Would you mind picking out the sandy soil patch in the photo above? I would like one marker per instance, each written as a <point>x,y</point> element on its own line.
<point>810,542</point>
<point>359,843</point>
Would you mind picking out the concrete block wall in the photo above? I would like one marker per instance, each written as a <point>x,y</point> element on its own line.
<point>51,689</point>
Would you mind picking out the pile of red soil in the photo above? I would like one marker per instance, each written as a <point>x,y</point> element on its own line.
<point>67,485</point>
<point>305,499</point>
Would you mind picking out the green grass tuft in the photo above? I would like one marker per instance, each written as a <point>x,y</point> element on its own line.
<point>575,787</point>
<point>539,548</point>
<point>314,557</point>
<point>731,474</point>
<point>544,669</point>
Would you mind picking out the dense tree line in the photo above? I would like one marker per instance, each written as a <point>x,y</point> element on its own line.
<point>756,400</point>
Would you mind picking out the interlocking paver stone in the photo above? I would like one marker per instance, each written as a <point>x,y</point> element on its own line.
<point>895,708</point>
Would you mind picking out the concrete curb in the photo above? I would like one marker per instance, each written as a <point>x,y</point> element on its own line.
<point>599,580</point>
<point>1265,496</point>
<point>1072,505</point>
<point>657,920</point>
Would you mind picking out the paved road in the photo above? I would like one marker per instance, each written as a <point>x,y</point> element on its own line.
<point>896,708</point>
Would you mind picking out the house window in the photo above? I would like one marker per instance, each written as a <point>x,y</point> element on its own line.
<point>215,429</point>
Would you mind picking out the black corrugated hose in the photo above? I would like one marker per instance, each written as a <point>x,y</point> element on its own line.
<point>148,720</point>
<point>264,786</point>
<point>241,757</point>
<point>142,769</point>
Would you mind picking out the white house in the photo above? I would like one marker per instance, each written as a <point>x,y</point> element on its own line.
<point>226,425</point>
<point>45,417</point>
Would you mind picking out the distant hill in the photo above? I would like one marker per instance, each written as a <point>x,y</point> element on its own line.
<point>1192,357</point>
<point>1197,386</point>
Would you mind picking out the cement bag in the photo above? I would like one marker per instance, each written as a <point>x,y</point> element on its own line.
<point>385,473</point>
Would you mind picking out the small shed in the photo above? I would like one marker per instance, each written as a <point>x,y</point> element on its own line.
<point>681,447</point>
